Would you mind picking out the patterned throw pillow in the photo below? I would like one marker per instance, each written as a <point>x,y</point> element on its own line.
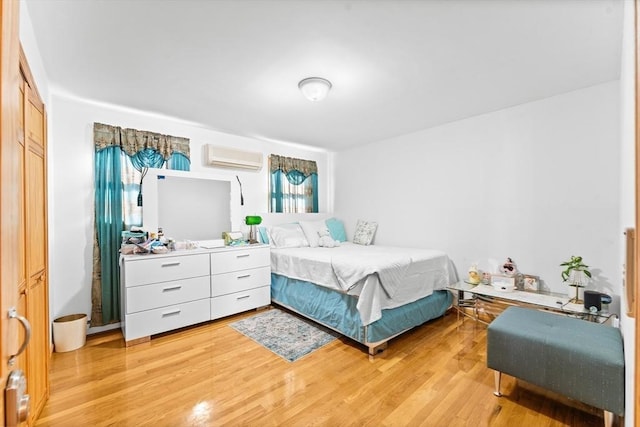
<point>364,232</point>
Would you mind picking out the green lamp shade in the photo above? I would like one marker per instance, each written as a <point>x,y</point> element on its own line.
<point>252,220</point>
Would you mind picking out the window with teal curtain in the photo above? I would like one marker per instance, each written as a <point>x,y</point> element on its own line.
<point>293,185</point>
<point>108,225</point>
<point>121,159</point>
<point>179,162</point>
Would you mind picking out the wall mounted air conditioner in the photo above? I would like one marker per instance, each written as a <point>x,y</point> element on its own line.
<point>231,158</point>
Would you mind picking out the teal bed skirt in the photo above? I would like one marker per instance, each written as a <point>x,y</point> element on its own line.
<point>338,311</point>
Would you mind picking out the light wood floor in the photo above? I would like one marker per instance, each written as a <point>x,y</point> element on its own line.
<point>211,375</point>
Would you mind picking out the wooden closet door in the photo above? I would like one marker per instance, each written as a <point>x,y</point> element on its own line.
<point>35,205</point>
<point>10,184</point>
<point>21,245</point>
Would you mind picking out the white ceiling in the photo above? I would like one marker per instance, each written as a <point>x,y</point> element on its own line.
<point>396,66</point>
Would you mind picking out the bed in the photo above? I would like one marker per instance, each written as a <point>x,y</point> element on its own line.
<point>368,293</point>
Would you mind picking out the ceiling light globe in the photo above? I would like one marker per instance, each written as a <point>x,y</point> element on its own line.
<point>315,88</point>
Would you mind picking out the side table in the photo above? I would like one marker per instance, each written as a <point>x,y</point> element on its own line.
<point>489,300</point>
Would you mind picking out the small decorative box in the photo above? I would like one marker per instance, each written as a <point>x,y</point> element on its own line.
<point>501,282</point>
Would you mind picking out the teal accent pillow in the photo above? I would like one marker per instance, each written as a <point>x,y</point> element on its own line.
<point>264,235</point>
<point>336,229</point>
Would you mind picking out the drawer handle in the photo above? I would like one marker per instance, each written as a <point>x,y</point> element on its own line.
<point>243,297</point>
<point>171,313</point>
<point>171,264</point>
<point>172,288</point>
<point>244,276</point>
<point>243,255</point>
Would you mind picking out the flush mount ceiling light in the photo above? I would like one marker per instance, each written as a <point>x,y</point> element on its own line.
<point>314,88</point>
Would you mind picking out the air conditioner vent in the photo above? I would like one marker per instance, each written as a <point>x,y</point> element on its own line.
<point>231,158</point>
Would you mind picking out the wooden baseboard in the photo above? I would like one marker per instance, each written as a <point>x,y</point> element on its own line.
<point>137,341</point>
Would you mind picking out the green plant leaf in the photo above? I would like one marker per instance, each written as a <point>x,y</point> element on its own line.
<point>574,264</point>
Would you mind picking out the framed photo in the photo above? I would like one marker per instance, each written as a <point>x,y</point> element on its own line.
<point>530,283</point>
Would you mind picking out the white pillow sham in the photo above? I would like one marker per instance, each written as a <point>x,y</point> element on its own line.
<point>310,229</point>
<point>287,236</point>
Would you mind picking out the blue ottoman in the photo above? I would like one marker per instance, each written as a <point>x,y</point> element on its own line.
<point>578,359</point>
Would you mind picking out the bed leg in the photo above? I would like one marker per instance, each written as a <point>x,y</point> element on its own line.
<point>373,350</point>
<point>496,379</point>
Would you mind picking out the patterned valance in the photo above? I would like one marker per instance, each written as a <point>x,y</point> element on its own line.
<point>288,164</point>
<point>132,141</point>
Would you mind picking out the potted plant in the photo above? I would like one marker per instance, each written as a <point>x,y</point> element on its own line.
<point>575,272</point>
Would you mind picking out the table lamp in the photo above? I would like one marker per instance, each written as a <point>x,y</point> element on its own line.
<point>252,221</point>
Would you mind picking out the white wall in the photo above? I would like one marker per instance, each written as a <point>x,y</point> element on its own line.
<point>71,197</point>
<point>32,52</point>
<point>627,199</point>
<point>538,182</point>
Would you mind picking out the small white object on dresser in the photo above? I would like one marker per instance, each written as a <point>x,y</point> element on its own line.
<point>181,288</point>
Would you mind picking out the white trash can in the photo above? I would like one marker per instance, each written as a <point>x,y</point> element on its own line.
<point>69,332</point>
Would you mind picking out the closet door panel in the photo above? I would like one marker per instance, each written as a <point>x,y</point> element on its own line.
<point>21,251</point>
<point>38,353</point>
<point>36,213</point>
<point>34,120</point>
<point>35,241</point>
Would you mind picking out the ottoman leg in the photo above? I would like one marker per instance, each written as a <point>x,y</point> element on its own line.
<point>608,419</point>
<point>496,379</point>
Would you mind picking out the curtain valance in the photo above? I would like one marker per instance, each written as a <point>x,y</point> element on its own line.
<point>289,164</point>
<point>133,141</point>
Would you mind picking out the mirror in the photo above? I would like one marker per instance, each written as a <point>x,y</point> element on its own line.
<point>192,208</point>
<point>188,206</point>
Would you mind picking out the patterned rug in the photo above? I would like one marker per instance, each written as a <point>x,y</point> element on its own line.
<point>286,335</point>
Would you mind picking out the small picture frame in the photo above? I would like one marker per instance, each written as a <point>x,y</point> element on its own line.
<point>530,283</point>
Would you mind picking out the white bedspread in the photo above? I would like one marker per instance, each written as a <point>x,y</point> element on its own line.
<point>381,276</point>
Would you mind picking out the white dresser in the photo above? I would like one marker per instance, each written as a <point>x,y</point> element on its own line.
<point>182,288</point>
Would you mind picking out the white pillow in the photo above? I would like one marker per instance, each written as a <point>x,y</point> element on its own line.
<point>310,229</point>
<point>364,232</point>
<point>287,236</point>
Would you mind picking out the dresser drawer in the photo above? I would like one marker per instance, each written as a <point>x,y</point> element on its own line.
<point>228,283</point>
<point>165,269</point>
<point>234,260</point>
<point>147,297</point>
<point>226,305</point>
<point>152,322</point>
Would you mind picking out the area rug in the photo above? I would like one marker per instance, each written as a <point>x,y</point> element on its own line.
<point>286,335</point>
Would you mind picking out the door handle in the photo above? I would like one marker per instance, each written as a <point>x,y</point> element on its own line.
<point>13,314</point>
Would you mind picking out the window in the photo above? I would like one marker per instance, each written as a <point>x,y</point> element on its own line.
<point>293,185</point>
<point>122,157</point>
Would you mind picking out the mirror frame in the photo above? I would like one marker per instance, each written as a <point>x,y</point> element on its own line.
<point>150,196</point>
